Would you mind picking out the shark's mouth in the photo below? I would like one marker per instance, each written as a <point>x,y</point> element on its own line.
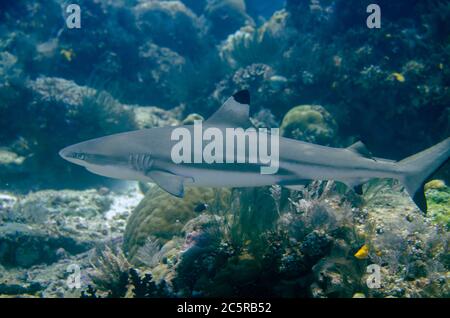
<point>113,172</point>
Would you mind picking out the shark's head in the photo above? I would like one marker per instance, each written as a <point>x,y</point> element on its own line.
<point>95,153</point>
<point>76,154</point>
<point>81,154</point>
<point>108,156</point>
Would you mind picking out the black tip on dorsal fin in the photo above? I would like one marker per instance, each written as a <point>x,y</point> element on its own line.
<point>242,97</point>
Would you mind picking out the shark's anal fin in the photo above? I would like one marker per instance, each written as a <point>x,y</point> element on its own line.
<point>356,185</point>
<point>235,112</point>
<point>361,149</point>
<point>172,183</point>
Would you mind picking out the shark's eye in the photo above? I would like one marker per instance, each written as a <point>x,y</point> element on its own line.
<point>79,155</point>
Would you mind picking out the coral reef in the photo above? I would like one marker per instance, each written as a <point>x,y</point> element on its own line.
<point>142,64</point>
<point>311,123</point>
<point>438,199</point>
<point>307,247</point>
<point>170,24</point>
<point>162,215</point>
<point>226,16</point>
<point>42,233</point>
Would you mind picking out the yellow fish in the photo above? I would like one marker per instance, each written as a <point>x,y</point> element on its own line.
<point>68,54</point>
<point>363,252</point>
<point>399,77</point>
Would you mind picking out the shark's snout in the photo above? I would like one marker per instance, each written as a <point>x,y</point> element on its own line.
<point>73,155</point>
<point>63,153</point>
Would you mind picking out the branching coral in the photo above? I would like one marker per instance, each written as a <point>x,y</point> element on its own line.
<point>110,271</point>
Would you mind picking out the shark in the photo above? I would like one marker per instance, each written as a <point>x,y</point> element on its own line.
<point>145,155</point>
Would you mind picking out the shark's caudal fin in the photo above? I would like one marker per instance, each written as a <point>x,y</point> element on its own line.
<point>418,168</point>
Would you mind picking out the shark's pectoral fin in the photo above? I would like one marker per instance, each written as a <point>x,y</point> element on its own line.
<point>235,112</point>
<point>298,185</point>
<point>172,183</point>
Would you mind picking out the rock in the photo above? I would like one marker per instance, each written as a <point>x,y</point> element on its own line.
<point>226,16</point>
<point>162,72</point>
<point>316,245</point>
<point>170,24</point>
<point>23,246</point>
<point>58,90</point>
<point>336,278</point>
<point>18,288</point>
<point>150,116</point>
<point>47,206</point>
<point>11,165</point>
<point>416,269</point>
<point>9,68</point>
<point>46,226</point>
<point>7,202</point>
<point>64,113</point>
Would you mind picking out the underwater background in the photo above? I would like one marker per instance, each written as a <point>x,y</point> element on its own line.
<point>314,69</point>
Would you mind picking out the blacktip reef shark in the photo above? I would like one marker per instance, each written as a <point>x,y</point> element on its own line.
<point>145,155</point>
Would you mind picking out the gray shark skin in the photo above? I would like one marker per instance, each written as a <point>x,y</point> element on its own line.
<point>145,155</point>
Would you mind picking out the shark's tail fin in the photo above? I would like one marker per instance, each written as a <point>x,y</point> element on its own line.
<point>418,168</point>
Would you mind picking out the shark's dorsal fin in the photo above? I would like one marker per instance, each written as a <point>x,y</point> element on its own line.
<point>172,183</point>
<point>361,149</point>
<point>235,112</point>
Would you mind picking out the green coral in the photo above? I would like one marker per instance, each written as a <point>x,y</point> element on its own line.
<point>310,123</point>
<point>163,216</point>
<point>189,120</point>
<point>438,201</point>
<point>251,45</point>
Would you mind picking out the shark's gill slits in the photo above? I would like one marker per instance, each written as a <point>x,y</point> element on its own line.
<point>140,161</point>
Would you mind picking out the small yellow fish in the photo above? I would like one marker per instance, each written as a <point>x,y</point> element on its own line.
<point>441,66</point>
<point>363,252</point>
<point>68,54</point>
<point>399,77</point>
